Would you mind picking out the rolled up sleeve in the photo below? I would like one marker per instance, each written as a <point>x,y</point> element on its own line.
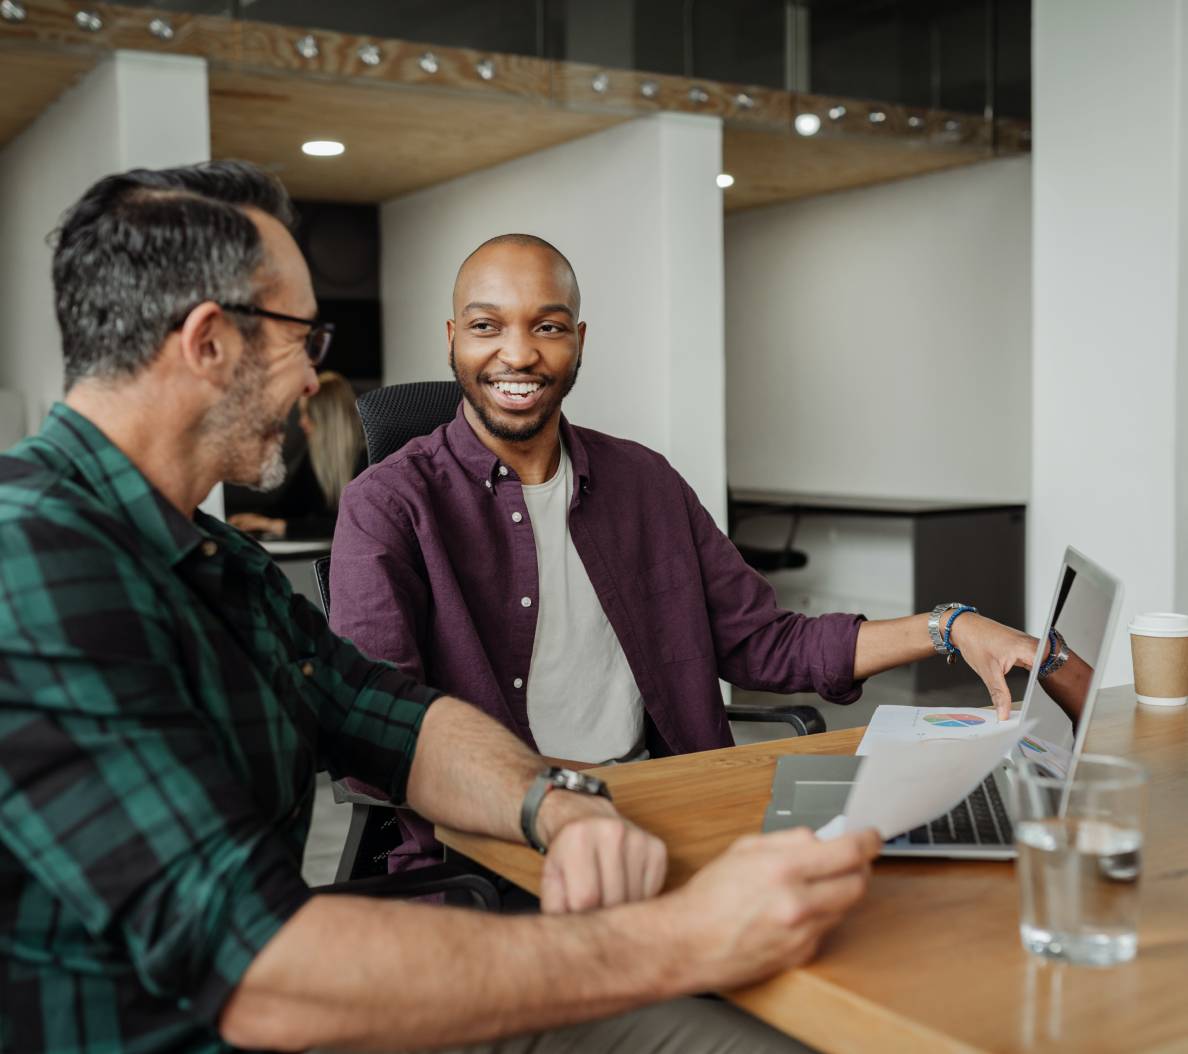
<point>369,712</point>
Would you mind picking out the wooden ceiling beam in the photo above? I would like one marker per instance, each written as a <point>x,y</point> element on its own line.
<point>864,141</point>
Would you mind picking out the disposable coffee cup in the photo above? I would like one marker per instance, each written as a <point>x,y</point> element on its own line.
<point>1159,647</point>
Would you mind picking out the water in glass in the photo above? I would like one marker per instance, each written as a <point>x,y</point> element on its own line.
<point>1079,884</point>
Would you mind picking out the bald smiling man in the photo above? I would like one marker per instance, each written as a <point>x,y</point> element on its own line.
<point>570,583</point>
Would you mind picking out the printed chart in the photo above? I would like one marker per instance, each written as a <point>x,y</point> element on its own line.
<point>914,724</point>
<point>954,720</point>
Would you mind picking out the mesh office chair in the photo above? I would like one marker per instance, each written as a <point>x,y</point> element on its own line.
<point>374,832</point>
<point>393,415</point>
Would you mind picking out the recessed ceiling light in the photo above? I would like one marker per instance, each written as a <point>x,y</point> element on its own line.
<point>322,148</point>
<point>724,180</point>
<point>808,123</point>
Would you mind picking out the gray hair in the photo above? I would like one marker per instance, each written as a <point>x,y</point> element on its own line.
<point>141,249</point>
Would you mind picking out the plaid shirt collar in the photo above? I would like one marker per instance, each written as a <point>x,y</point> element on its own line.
<point>119,484</point>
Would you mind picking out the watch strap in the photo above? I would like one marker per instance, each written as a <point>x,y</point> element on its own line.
<point>554,779</point>
<point>531,807</point>
<point>935,633</point>
<point>941,638</point>
<point>1058,654</point>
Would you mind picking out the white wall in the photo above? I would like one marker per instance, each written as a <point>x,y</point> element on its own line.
<point>1109,350</point>
<point>134,109</point>
<point>878,340</point>
<point>636,210</point>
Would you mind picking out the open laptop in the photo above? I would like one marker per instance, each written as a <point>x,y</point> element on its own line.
<point>808,791</point>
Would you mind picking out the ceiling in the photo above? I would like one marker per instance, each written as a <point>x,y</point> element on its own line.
<point>405,128</point>
<point>397,139</point>
<point>32,77</point>
<point>770,168</point>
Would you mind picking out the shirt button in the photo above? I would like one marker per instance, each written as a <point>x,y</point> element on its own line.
<point>307,668</point>
<point>209,548</point>
<point>525,602</point>
<point>518,682</point>
<point>516,517</point>
<point>503,470</point>
<point>487,484</point>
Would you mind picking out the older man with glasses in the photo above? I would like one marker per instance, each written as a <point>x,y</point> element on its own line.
<point>165,701</point>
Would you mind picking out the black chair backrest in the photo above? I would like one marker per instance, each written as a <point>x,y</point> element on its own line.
<point>322,574</point>
<point>393,415</point>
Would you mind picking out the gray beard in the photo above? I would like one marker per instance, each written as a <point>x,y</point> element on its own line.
<point>272,471</point>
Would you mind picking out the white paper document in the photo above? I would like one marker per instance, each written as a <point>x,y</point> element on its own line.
<point>915,724</point>
<point>906,784</point>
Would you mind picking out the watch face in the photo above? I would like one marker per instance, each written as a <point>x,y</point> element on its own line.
<point>568,779</point>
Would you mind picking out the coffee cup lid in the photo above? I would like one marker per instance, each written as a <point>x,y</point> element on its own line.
<point>1160,624</point>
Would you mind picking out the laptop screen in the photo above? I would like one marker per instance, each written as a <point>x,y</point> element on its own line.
<point>1084,610</point>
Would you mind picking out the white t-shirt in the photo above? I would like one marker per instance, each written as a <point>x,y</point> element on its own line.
<point>583,703</point>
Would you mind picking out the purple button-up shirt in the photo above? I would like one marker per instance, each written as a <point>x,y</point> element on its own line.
<point>433,570</point>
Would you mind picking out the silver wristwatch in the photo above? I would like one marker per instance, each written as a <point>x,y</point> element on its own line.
<point>937,634</point>
<point>1057,655</point>
<point>554,779</point>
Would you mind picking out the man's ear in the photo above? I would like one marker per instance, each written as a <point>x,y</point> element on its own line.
<point>581,334</point>
<point>210,344</point>
<point>449,334</point>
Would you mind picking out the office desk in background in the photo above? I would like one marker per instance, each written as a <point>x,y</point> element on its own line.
<point>296,559</point>
<point>931,960</point>
<point>969,551</point>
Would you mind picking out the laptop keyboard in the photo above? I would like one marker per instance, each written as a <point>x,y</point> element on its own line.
<point>979,820</point>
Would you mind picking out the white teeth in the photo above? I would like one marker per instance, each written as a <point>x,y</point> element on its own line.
<point>516,387</point>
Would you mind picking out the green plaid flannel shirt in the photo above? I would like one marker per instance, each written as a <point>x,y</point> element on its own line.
<point>165,701</point>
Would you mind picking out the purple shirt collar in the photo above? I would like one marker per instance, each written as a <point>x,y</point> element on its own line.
<point>483,465</point>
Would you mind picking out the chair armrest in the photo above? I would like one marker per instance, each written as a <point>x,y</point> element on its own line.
<point>807,720</point>
<point>345,794</point>
<point>420,882</point>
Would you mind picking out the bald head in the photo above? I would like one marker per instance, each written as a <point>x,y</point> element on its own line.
<point>507,254</point>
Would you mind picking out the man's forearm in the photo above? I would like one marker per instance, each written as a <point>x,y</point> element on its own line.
<point>990,649</point>
<point>405,975</point>
<point>471,773</point>
<point>888,643</point>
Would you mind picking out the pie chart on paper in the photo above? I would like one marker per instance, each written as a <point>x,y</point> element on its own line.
<point>954,720</point>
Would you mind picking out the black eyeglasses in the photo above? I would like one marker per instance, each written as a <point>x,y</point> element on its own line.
<point>317,340</point>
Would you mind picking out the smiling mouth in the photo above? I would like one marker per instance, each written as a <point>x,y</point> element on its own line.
<point>520,389</point>
<point>516,395</point>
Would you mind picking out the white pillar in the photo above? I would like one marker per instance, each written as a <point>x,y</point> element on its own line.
<point>636,210</point>
<point>692,266</point>
<point>132,110</point>
<point>1109,300</point>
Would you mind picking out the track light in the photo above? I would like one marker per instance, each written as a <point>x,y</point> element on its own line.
<point>323,148</point>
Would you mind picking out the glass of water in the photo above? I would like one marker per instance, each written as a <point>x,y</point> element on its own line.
<point>1080,845</point>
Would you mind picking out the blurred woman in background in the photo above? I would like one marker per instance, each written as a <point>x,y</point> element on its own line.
<point>308,505</point>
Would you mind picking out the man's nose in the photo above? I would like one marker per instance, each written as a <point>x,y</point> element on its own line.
<point>518,351</point>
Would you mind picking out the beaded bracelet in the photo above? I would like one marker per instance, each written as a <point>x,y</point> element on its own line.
<point>957,613</point>
<point>1057,654</point>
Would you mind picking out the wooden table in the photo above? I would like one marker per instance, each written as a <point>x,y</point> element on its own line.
<point>931,960</point>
